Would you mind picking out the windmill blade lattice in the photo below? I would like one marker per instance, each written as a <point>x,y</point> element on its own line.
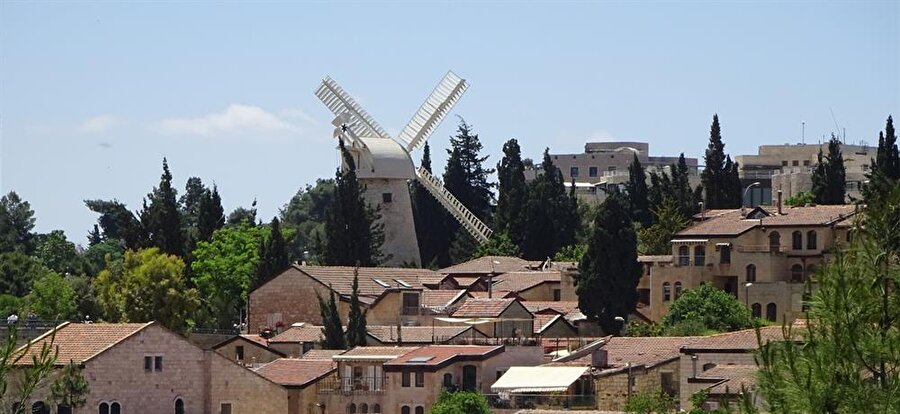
<point>432,111</point>
<point>340,102</point>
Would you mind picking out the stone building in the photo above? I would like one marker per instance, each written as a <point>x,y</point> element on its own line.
<point>504,318</point>
<point>299,377</point>
<point>248,350</point>
<point>533,285</point>
<point>298,339</point>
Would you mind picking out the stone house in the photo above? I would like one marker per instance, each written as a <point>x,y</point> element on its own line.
<point>248,350</point>
<point>504,318</point>
<point>551,325</point>
<point>536,285</point>
<point>297,340</point>
<point>299,377</point>
<point>762,256</point>
<point>476,275</point>
<point>145,368</point>
<point>359,381</point>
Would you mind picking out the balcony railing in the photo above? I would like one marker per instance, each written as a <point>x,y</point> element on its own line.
<point>542,401</point>
<point>352,386</point>
<point>761,248</point>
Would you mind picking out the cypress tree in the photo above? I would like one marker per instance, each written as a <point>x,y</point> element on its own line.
<point>734,196</point>
<point>609,272</point>
<point>715,164</point>
<point>885,172</point>
<point>353,236</point>
<point>551,217</point>
<point>94,237</point>
<point>356,320</point>
<point>161,218</point>
<point>210,214</point>
<point>332,330</point>
<point>273,255</point>
<point>431,220</point>
<point>829,175</point>
<point>638,193</point>
<point>512,193</point>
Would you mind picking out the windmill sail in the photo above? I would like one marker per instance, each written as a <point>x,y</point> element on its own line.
<point>472,224</point>
<point>340,102</point>
<point>432,111</point>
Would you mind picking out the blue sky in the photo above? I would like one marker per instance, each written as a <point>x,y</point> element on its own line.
<point>93,95</point>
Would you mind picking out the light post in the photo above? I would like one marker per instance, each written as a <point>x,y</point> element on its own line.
<point>747,293</point>
<point>747,190</point>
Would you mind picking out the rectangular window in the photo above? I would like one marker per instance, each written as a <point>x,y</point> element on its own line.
<point>573,171</point>
<point>725,254</point>
<point>557,295</point>
<point>806,163</point>
<point>157,363</point>
<point>225,408</point>
<point>784,163</point>
<point>239,352</point>
<point>404,379</point>
<point>420,379</point>
<point>387,197</point>
<point>499,374</point>
<point>410,304</point>
<point>148,363</point>
<point>795,163</point>
<point>611,168</point>
<point>592,171</point>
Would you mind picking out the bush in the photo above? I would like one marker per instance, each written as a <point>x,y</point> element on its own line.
<point>462,402</point>
<point>650,402</point>
<point>709,306</point>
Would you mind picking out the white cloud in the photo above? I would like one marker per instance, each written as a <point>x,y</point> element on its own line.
<point>236,118</point>
<point>98,124</point>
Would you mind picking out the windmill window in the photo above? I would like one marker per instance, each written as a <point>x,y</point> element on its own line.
<point>387,197</point>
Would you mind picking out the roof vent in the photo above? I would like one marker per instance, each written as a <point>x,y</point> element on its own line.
<point>599,358</point>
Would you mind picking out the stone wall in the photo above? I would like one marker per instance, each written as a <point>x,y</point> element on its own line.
<point>613,390</point>
<point>246,391</point>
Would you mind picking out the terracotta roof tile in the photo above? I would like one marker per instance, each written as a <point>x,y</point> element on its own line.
<point>437,299</point>
<point>486,265</point>
<point>321,353</point>
<point>522,281</point>
<point>483,308</point>
<point>295,372</point>
<point>377,351</point>
<point>303,333</point>
<point>466,281</point>
<point>543,321</point>
<point>621,350</point>
<point>732,376</point>
<point>340,278</point>
<point>441,354</point>
<point>738,340</point>
<point>256,338</point>
<point>561,307</point>
<point>79,342</point>
<point>731,222</point>
<point>416,334</point>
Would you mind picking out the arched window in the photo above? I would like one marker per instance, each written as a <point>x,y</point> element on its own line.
<point>364,408</point>
<point>448,380</point>
<point>751,273</point>
<point>677,289</point>
<point>774,241</point>
<point>420,410</point>
<point>115,408</point>
<point>63,409</point>
<point>376,409</point>
<point>771,312</point>
<point>40,408</point>
<point>684,256</point>
<point>351,408</point>
<point>811,242</point>
<point>699,255</point>
<point>797,273</point>
<point>756,309</point>
<point>404,410</point>
<point>797,240</point>
<point>179,406</point>
<point>667,292</point>
<point>103,408</point>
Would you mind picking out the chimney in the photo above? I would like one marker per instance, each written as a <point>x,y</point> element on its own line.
<point>779,202</point>
<point>702,211</point>
<point>599,358</point>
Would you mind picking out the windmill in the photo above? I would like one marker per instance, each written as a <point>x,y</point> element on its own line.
<point>385,166</point>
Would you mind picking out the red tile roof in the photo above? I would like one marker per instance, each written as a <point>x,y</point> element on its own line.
<point>256,338</point>
<point>302,333</point>
<point>416,334</point>
<point>732,222</point>
<point>621,350</point>
<point>293,372</point>
<point>522,281</point>
<point>545,321</point>
<point>561,307</point>
<point>732,376</point>
<point>486,265</point>
<point>743,340</point>
<point>321,353</point>
<point>79,342</point>
<point>483,308</point>
<point>340,279</point>
<point>377,352</point>
<point>437,299</point>
<point>440,355</point>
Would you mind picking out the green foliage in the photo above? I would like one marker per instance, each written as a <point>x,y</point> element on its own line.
<point>70,388</point>
<point>86,305</point>
<point>356,320</point>
<point>551,215</point>
<point>687,327</point>
<point>721,187</point>
<point>643,329</point>
<point>161,218</point>
<point>829,176</point>
<point>638,193</point>
<point>58,254</point>
<point>850,354</point>
<point>225,268</point>
<point>10,304</point>
<point>18,272</point>
<point>305,215</point>
<point>885,172</point>
<point>210,214</point>
<point>461,402</point>
<point>572,253</point>
<point>467,179</point>
<point>650,402</point>
<point>499,245</point>
<point>52,298</point>
<point>609,272</point>
<point>676,187</point>
<point>117,222</point>
<point>273,255</point>
<point>667,221</point>
<point>711,307</point>
<point>332,329</point>
<point>354,235</point>
<point>16,223</point>
<point>33,375</point>
<point>95,257</point>
<point>243,215</point>
<point>512,193</point>
<point>800,199</point>
<point>431,220</point>
<point>147,285</point>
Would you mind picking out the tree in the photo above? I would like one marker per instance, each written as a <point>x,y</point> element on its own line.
<point>161,218</point>
<point>354,235</point>
<point>243,215</point>
<point>829,176</point>
<point>461,402</point>
<point>95,257</point>
<point>147,285</point>
<point>609,271</point>
<point>210,214</point>
<point>356,320</point>
<point>58,254</point>
<point>52,298</point>
<point>572,253</point>
<point>273,255</point>
<point>305,215</point>
<point>16,223</point>
<point>190,204</point>
<point>431,220</point>
<point>733,192</point>
<point>86,305</point>
<point>800,199</point>
<point>513,193</point>
<point>332,329</point>
<point>94,236</point>
<point>885,172</point>
<point>225,270</point>
<point>551,216</point>
<point>711,306</point>
<point>117,222</point>
<point>717,184</point>
<point>650,402</point>
<point>667,220</point>
<point>70,389</point>
<point>498,245</point>
<point>18,272</point>
<point>467,179</point>
<point>33,374</point>
<point>638,193</point>
<point>676,187</point>
<point>849,356</point>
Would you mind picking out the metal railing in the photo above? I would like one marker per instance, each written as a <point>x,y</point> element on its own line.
<point>542,401</point>
<point>467,340</point>
<point>352,386</point>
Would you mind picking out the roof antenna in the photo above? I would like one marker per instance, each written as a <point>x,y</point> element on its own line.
<point>837,128</point>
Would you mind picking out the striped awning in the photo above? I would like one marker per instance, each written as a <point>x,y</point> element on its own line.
<point>690,241</point>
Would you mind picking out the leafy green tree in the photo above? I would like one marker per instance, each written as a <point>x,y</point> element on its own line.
<point>58,254</point>
<point>667,220</point>
<point>734,193</point>
<point>356,319</point>
<point>638,193</point>
<point>800,199</point>
<point>86,304</point>
<point>849,356</point>
<point>551,216</point>
<point>16,223</point>
<point>829,176</point>
<point>147,285</point>
<point>161,217</point>
<point>273,255</point>
<point>190,205</point>
<point>10,304</point>
<point>242,215</point>
<point>467,179</point>
<point>710,305</point>
<point>461,402</point>
<point>332,329</point>
<point>354,234</point>
<point>52,298</point>
<point>572,253</point>
<point>716,177</point>
<point>305,215</point>
<point>70,389</point>
<point>512,193</point>
<point>650,402</point>
<point>117,222</point>
<point>18,272</point>
<point>431,220</point>
<point>225,269</point>
<point>498,245</point>
<point>609,272</point>
<point>95,257</point>
<point>210,214</point>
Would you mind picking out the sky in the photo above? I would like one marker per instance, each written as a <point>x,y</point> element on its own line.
<point>93,95</point>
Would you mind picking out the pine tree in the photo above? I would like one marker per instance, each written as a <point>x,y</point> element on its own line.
<point>512,193</point>
<point>70,388</point>
<point>638,193</point>
<point>609,272</point>
<point>161,218</point>
<point>732,184</point>
<point>353,233</point>
<point>550,216</point>
<point>94,237</point>
<point>431,220</point>
<point>356,321</point>
<point>829,176</point>
<point>676,187</point>
<point>210,214</point>
<point>242,214</point>
<point>332,330</point>
<point>273,255</point>
<point>885,172</point>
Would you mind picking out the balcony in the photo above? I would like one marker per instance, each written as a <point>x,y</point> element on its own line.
<point>761,248</point>
<point>352,386</point>
<point>542,401</point>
